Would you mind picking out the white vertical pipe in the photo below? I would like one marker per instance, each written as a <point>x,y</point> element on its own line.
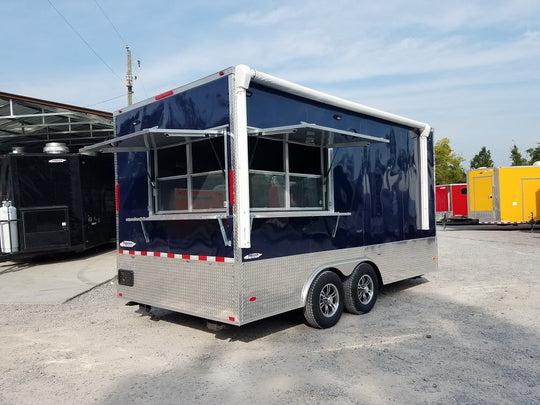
<point>242,77</point>
<point>424,177</point>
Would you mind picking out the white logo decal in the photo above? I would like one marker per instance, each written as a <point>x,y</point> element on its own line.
<point>57,160</point>
<point>127,243</point>
<point>252,256</point>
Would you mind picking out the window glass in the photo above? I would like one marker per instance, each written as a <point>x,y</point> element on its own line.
<point>172,161</point>
<point>267,190</point>
<point>265,154</point>
<point>172,195</point>
<point>208,155</point>
<point>304,159</point>
<point>306,192</point>
<point>208,191</point>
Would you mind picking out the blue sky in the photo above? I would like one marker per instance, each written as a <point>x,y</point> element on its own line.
<point>469,68</point>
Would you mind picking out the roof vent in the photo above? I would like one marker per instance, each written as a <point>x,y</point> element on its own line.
<point>55,148</point>
<point>537,163</point>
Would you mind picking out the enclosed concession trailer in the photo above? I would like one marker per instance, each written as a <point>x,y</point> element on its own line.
<point>505,195</point>
<point>55,202</point>
<point>451,200</point>
<point>242,195</point>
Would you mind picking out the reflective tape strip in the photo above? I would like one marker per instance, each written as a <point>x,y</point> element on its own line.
<point>218,259</point>
<point>500,223</point>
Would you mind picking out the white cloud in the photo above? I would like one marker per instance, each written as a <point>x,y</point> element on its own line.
<point>468,67</point>
<point>256,18</point>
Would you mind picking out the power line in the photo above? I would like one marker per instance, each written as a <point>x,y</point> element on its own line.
<point>84,40</point>
<point>124,42</point>
<point>122,39</point>
<point>105,101</point>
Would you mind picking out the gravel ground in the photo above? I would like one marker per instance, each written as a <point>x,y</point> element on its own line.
<point>467,334</point>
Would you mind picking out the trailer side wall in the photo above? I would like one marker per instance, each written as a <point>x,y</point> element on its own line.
<point>518,187</point>
<point>378,184</point>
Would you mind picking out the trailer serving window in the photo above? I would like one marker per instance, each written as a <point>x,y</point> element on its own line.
<point>286,176</point>
<point>186,171</point>
<point>190,177</point>
<point>289,166</point>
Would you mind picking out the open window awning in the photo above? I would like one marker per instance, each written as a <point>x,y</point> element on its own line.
<point>316,135</point>
<point>152,138</point>
<point>305,134</point>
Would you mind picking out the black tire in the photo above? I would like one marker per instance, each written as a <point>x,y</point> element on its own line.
<point>324,303</point>
<point>361,289</point>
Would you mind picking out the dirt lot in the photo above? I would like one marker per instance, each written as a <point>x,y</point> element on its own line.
<point>468,334</point>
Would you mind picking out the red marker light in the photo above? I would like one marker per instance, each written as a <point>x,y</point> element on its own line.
<point>117,196</point>
<point>163,95</point>
<point>231,318</point>
<point>251,299</point>
<point>231,187</point>
<point>119,294</point>
<point>221,73</point>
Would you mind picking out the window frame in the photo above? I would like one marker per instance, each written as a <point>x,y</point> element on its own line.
<point>189,176</point>
<point>310,135</point>
<point>287,174</point>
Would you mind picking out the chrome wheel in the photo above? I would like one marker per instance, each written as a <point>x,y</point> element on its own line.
<point>365,289</point>
<point>329,300</point>
<point>361,289</point>
<point>324,301</point>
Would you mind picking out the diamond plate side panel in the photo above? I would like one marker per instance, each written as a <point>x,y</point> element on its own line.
<point>280,285</point>
<point>199,288</point>
<point>256,290</point>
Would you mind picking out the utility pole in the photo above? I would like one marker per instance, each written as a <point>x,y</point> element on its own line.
<point>129,78</point>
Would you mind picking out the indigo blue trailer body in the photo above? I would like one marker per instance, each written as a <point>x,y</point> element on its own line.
<point>241,196</point>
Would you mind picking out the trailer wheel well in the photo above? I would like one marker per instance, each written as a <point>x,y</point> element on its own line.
<point>343,277</point>
<point>377,272</point>
<point>335,270</point>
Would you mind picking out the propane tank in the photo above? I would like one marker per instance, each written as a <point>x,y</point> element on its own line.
<point>9,238</point>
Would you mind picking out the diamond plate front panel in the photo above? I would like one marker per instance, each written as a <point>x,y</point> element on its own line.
<point>204,289</point>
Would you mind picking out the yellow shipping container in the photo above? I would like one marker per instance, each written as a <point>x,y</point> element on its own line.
<point>505,194</point>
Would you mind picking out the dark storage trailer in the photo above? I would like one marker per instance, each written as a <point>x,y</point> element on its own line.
<point>242,195</point>
<point>54,203</point>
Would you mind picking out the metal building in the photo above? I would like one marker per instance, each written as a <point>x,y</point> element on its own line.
<point>53,198</point>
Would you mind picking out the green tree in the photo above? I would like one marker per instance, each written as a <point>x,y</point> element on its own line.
<point>517,158</point>
<point>534,153</point>
<point>448,168</point>
<point>482,159</point>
